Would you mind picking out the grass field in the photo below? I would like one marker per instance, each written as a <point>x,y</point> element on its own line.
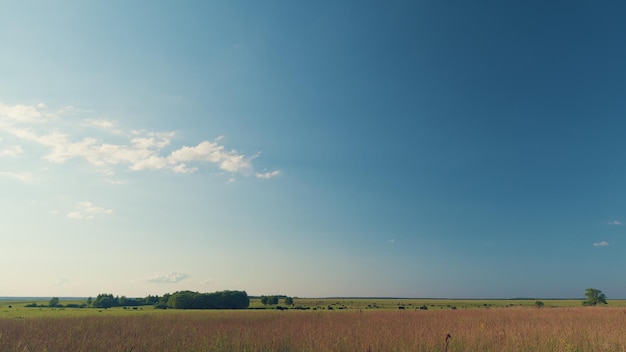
<point>394,303</point>
<point>363,325</point>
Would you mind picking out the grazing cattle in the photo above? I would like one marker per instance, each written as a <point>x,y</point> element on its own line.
<point>401,307</point>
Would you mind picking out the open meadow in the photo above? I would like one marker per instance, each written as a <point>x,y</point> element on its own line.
<point>349,326</point>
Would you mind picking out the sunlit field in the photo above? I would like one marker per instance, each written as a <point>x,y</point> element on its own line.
<point>484,327</point>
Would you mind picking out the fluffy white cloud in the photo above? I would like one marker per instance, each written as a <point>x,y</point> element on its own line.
<point>183,169</point>
<point>88,211</point>
<point>20,113</point>
<point>601,244</point>
<point>214,153</point>
<point>615,222</point>
<point>169,278</point>
<point>142,150</point>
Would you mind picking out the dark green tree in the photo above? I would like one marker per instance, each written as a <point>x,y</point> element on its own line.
<point>539,304</point>
<point>126,302</point>
<point>182,300</point>
<point>235,299</point>
<point>105,301</point>
<point>162,302</point>
<point>288,300</point>
<point>149,300</point>
<point>54,302</point>
<point>594,296</point>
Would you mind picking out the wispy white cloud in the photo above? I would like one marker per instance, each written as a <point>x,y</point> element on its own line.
<point>106,125</point>
<point>25,177</point>
<point>601,244</point>
<point>615,222</point>
<point>267,175</point>
<point>214,153</point>
<point>12,151</point>
<point>169,278</point>
<point>67,110</point>
<point>88,211</point>
<point>142,150</point>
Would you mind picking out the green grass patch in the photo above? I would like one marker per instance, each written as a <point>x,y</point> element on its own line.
<point>17,309</point>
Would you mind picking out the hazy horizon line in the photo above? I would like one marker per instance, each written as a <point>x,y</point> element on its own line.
<point>8,298</point>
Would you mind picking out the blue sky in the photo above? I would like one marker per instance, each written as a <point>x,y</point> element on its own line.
<point>329,148</point>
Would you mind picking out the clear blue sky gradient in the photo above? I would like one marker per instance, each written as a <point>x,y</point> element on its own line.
<point>329,148</point>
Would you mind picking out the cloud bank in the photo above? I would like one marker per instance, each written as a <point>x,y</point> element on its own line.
<point>601,244</point>
<point>138,150</point>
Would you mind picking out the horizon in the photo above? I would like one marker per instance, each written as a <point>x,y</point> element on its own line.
<point>69,298</point>
<point>322,149</point>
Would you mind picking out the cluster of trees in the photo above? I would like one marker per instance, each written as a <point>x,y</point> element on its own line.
<point>197,300</point>
<point>107,300</point>
<point>178,300</point>
<point>271,300</point>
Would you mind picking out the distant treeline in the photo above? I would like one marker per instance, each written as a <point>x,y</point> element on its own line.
<point>196,300</point>
<point>176,300</point>
<point>179,300</point>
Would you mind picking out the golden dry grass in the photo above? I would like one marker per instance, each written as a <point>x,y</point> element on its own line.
<point>501,329</point>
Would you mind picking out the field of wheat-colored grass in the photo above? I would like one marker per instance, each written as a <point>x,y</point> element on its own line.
<point>497,329</point>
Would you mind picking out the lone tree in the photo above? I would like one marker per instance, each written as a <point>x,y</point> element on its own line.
<point>594,296</point>
<point>54,302</point>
